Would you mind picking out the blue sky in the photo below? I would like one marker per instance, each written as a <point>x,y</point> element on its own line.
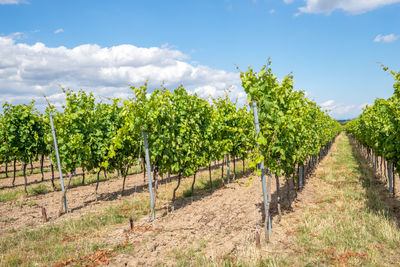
<point>331,46</point>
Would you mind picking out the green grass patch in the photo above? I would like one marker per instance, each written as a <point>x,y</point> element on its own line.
<point>37,190</point>
<point>196,257</point>
<point>15,194</point>
<point>21,173</point>
<point>11,195</point>
<point>201,185</point>
<point>7,219</point>
<point>31,203</point>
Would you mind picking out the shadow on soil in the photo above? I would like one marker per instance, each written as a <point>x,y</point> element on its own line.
<point>288,194</point>
<point>179,202</point>
<point>376,187</point>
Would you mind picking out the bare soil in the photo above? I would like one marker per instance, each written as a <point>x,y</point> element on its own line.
<point>27,212</point>
<point>222,225</point>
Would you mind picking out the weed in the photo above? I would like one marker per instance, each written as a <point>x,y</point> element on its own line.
<point>31,203</point>
<point>11,195</point>
<point>19,204</point>
<point>7,220</point>
<point>37,190</point>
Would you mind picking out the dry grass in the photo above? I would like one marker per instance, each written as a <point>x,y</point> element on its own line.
<point>73,238</point>
<point>354,226</point>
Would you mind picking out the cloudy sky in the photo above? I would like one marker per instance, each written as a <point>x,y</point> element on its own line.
<point>333,47</point>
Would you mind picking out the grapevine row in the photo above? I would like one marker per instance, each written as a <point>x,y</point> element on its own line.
<point>377,133</point>
<point>184,132</point>
<point>294,132</point>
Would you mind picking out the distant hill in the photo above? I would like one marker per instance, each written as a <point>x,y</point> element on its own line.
<point>343,122</point>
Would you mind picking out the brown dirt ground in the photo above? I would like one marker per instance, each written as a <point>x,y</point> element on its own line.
<point>6,183</point>
<point>82,199</point>
<point>221,225</point>
<point>27,212</point>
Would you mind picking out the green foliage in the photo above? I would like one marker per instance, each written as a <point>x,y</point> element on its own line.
<point>73,128</point>
<point>378,127</point>
<point>85,131</point>
<point>21,134</point>
<point>184,131</point>
<point>292,127</point>
<point>234,128</point>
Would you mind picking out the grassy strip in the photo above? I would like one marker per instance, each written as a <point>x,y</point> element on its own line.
<point>21,173</point>
<point>352,223</point>
<point>76,238</point>
<point>202,183</point>
<point>15,194</point>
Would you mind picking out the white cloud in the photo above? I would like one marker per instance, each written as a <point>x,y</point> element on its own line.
<point>206,91</point>
<point>27,70</point>
<point>58,31</point>
<point>271,11</point>
<point>349,6</point>
<point>288,1</point>
<point>13,2</point>
<point>386,38</point>
<point>342,111</point>
<point>16,35</point>
<point>327,104</point>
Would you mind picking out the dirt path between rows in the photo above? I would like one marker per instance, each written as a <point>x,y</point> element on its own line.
<point>27,212</point>
<point>214,225</point>
<point>220,226</point>
<point>81,199</point>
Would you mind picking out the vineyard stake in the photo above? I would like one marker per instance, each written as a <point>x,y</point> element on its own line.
<point>267,229</point>
<point>301,177</point>
<point>58,163</point>
<point>227,167</point>
<point>153,215</point>
<point>390,166</point>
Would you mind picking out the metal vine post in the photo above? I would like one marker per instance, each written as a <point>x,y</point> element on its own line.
<point>267,229</point>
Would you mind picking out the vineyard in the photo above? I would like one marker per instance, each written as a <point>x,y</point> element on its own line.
<point>376,132</point>
<point>168,159</point>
